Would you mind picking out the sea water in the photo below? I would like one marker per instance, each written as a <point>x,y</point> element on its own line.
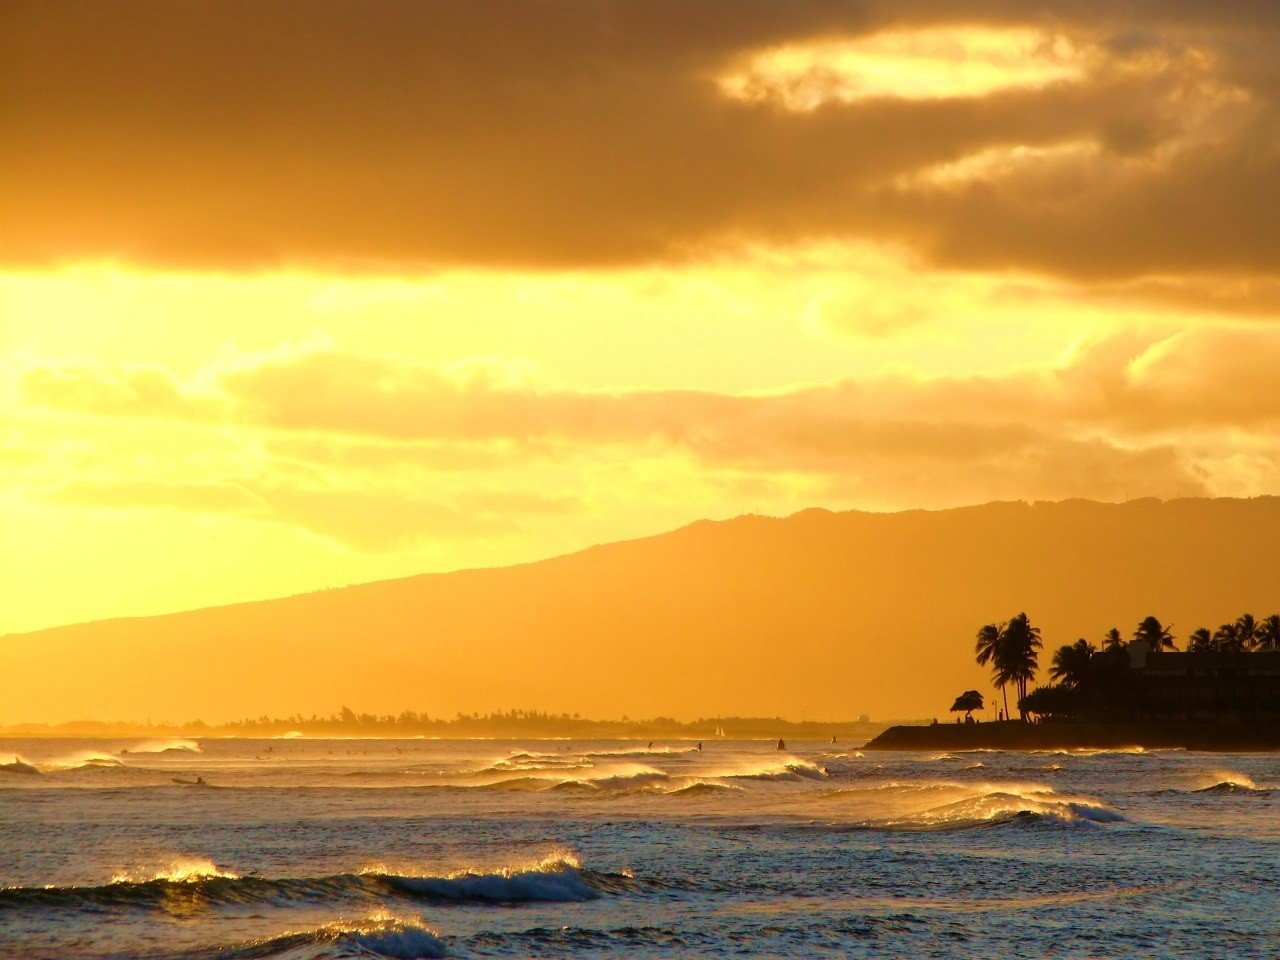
<point>302,848</point>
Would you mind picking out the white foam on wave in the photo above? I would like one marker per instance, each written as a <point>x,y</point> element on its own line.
<point>179,870</point>
<point>380,935</point>
<point>1227,781</point>
<point>396,939</point>
<point>942,804</point>
<point>82,759</point>
<point>789,768</point>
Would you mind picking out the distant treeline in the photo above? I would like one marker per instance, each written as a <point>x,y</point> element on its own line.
<point>513,724</point>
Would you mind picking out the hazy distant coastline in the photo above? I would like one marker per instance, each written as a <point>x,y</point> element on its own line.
<point>515,724</point>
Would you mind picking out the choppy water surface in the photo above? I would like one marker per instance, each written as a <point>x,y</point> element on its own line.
<point>306,849</point>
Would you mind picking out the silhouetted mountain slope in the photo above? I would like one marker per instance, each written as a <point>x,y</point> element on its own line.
<point>819,614</point>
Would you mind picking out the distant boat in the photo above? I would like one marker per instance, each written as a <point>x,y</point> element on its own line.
<point>782,744</point>
<point>719,731</point>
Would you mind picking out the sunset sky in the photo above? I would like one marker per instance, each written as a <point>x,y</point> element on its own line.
<point>300,294</point>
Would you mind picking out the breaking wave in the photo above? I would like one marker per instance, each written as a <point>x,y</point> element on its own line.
<point>80,760</point>
<point>19,766</point>
<point>940,805</point>
<point>556,878</point>
<point>1230,782</point>
<point>168,745</point>
<point>380,936</point>
<point>704,788</point>
<point>536,761</point>
<point>792,769</point>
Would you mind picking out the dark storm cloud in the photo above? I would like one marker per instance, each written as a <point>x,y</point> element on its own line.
<point>397,135</point>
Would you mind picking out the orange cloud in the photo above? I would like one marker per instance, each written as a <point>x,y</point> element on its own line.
<point>1111,141</point>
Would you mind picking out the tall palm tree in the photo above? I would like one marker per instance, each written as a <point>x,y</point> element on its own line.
<point>1071,663</point>
<point>1226,639</point>
<point>1112,640</point>
<point>1155,634</point>
<point>1200,641</point>
<point>988,651</point>
<point>1019,650</point>
<point>1246,631</point>
<point>1269,633</point>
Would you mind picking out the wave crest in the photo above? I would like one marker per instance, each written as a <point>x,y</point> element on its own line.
<point>380,936</point>
<point>559,877</point>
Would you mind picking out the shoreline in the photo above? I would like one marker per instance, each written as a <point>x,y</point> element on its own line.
<point>1016,735</point>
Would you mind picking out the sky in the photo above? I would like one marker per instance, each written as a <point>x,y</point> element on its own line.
<point>301,293</point>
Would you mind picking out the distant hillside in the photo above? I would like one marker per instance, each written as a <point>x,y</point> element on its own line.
<point>820,614</point>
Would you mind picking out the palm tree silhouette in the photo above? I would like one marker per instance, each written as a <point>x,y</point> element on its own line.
<point>988,651</point>
<point>1246,631</point>
<point>1156,636</point>
<point>1268,637</point>
<point>1200,641</point>
<point>1112,640</point>
<point>1012,650</point>
<point>1019,648</point>
<point>1227,639</point>
<point>1071,663</point>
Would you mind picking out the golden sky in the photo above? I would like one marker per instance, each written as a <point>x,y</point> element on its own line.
<point>299,294</point>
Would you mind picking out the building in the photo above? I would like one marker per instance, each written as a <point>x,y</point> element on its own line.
<point>1224,687</point>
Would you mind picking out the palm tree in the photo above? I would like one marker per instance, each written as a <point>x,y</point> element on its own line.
<point>988,651</point>
<point>1019,656</point>
<point>1269,633</point>
<point>1154,634</point>
<point>1112,640</point>
<point>1226,639</point>
<point>1200,641</point>
<point>1246,631</point>
<point>1071,663</point>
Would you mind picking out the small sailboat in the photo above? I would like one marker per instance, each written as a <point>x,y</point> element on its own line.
<point>782,744</point>
<point>719,732</point>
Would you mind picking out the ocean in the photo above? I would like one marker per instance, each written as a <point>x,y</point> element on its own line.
<point>294,849</point>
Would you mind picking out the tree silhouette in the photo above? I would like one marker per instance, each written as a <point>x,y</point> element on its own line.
<point>1154,634</point>
<point>1020,648</point>
<point>1072,663</point>
<point>1227,639</point>
<point>987,649</point>
<point>1246,631</point>
<point>1269,633</point>
<point>1200,641</point>
<point>1012,651</point>
<point>1113,640</point>
<point>968,701</point>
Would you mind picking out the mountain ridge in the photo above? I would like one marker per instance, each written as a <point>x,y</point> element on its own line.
<point>820,612</point>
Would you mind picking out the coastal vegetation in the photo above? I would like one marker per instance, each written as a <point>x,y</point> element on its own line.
<point>1094,681</point>
<point>968,702</point>
<point>1012,649</point>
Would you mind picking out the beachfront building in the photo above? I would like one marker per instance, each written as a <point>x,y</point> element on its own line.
<point>1229,687</point>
